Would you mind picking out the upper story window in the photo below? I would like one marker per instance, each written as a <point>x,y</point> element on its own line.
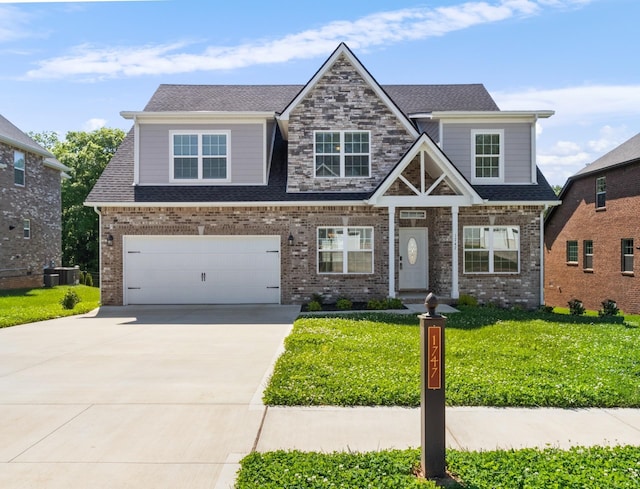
<point>572,251</point>
<point>587,250</point>
<point>491,249</point>
<point>342,154</point>
<point>18,168</point>
<point>627,255</point>
<point>26,228</point>
<point>601,192</point>
<point>487,149</point>
<point>345,250</point>
<point>200,156</point>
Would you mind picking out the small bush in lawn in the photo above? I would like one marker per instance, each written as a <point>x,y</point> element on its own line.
<point>70,299</point>
<point>467,300</point>
<point>344,304</point>
<point>314,306</point>
<point>317,298</point>
<point>88,280</point>
<point>609,308</point>
<point>81,278</point>
<point>394,303</point>
<point>576,308</point>
<point>375,305</point>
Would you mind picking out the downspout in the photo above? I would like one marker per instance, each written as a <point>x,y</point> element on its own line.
<point>542,213</point>
<point>455,291</point>
<point>97,211</point>
<point>534,173</point>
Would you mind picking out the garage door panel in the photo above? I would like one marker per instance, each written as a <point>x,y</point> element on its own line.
<point>202,269</point>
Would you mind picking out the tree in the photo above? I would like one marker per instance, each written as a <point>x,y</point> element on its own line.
<point>87,155</point>
<point>557,189</point>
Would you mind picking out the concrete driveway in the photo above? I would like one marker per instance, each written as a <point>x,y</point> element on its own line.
<point>136,397</point>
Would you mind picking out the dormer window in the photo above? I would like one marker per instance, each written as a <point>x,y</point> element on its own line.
<point>200,156</point>
<point>487,150</point>
<point>345,154</point>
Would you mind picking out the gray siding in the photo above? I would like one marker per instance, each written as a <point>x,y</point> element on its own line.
<point>431,127</point>
<point>247,151</point>
<point>456,143</point>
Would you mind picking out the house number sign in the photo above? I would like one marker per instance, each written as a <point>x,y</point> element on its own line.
<point>434,354</point>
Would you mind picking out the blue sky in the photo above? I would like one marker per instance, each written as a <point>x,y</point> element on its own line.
<point>75,65</point>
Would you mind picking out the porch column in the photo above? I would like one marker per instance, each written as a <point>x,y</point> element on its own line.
<point>392,251</point>
<point>455,293</point>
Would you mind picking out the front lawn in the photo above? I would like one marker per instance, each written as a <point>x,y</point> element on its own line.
<point>494,357</point>
<point>30,305</point>
<point>595,467</point>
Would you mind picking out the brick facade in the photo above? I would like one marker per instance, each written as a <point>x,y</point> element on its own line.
<point>577,219</point>
<point>343,100</point>
<point>22,260</point>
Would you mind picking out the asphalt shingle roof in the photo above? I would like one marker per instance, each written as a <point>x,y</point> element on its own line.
<point>625,153</point>
<point>10,133</point>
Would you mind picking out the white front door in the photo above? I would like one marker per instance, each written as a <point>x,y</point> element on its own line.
<point>413,259</point>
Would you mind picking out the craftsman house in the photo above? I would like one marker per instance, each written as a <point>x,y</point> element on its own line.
<point>341,187</point>
<point>30,214</point>
<point>591,239</point>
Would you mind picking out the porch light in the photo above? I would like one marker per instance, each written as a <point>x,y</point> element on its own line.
<point>109,239</point>
<point>290,239</point>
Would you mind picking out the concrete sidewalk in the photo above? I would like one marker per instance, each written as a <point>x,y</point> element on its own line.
<point>329,429</point>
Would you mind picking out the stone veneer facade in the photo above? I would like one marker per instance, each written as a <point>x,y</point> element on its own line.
<point>22,260</point>
<point>299,277</point>
<point>343,100</point>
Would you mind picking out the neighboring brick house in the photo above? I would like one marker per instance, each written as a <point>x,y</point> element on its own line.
<point>592,238</point>
<point>340,187</point>
<point>30,209</point>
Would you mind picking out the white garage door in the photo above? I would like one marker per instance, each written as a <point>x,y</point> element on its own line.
<point>201,269</point>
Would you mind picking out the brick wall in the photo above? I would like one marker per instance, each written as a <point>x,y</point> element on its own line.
<point>22,260</point>
<point>298,262</point>
<point>577,219</point>
<point>343,100</point>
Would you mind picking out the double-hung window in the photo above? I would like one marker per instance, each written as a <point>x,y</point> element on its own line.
<point>18,168</point>
<point>587,251</point>
<point>572,252</point>
<point>494,249</point>
<point>627,255</point>
<point>200,156</point>
<point>26,228</point>
<point>601,192</point>
<point>342,154</point>
<point>345,250</point>
<point>487,150</point>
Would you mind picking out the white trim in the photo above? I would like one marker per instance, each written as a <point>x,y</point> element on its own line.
<point>417,214</point>
<point>464,116</point>
<point>100,274</point>
<point>295,203</point>
<point>534,173</point>
<point>203,116</point>
<point>392,251</point>
<point>24,147</point>
<point>501,157</point>
<point>23,169</point>
<point>136,152</point>
<point>491,249</point>
<point>345,250</point>
<point>455,265</point>
<point>26,228</point>
<point>55,165</point>
<point>265,161</point>
<point>342,154</point>
<point>200,157</point>
<point>542,255</point>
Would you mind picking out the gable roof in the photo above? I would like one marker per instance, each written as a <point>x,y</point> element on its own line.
<point>627,152</point>
<point>13,136</point>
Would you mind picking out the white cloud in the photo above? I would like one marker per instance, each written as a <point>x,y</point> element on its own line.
<point>13,23</point>
<point>92,62</point>
<point>94,124</point>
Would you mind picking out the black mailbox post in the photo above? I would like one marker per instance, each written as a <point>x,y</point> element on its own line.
<point>432,399</point>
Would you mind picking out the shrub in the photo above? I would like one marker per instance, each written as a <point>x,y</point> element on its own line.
<point>314,306</point>
<point>81,278</point>
<point>609,308</point>
<point>575,307</point>
<point>70,299</point>
<point>374,304</point>
<point>394,303</point>
<point>344,304</point>
<point>467,300</point>
<point>545,308</point>
<point>88,280</point>
<point>317,298</point>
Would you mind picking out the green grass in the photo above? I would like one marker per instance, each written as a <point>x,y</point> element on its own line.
<point>493,358</point>
<point>30,305</point>
<point>579,468</point>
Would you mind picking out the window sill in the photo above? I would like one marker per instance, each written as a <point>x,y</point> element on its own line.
<point>572,263</point>
<point>588,270</point>
<point>628,274</point>
<point>601,209</point>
